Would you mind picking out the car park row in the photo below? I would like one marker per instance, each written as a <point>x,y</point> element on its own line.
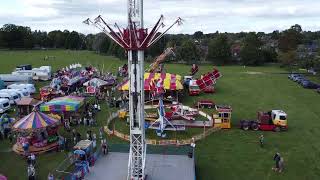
<point>304,82</point>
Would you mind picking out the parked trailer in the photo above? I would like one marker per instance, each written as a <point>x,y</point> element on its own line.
<point>275,120</point>
<point>9,79</point>
<point>205,104</point>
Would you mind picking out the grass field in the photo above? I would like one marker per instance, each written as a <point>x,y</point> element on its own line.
<point>228,154</point>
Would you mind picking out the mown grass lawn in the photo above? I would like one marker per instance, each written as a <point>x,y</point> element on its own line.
<point>228,154</point>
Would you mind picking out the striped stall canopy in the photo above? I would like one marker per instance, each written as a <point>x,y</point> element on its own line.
<point>35,120</point>
<point>169,81</point>
<point>63,104</point>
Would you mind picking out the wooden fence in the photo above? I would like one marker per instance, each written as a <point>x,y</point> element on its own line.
<point>114,132</point>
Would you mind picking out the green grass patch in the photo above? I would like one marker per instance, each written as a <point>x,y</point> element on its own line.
<point>227,154</point>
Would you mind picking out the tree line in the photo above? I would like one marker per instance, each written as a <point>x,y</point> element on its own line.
<point>289,47</point>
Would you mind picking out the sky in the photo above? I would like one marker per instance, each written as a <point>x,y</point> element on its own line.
<point>198,15</point>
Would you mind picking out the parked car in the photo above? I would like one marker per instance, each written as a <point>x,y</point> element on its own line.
<point>310,85</point>
<point>300,79</point>
<point>295,76</point>
<point>292,76</point>
<point>303,81</point>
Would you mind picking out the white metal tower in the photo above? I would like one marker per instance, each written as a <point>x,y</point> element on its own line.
<point>137,155</point>
<point>135,39</point>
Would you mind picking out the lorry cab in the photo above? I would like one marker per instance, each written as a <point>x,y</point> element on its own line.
<point>275,120</point>
<point>279,118</point>
<point>222,116</point>
<point>194,89</point>
<point>4,105</point>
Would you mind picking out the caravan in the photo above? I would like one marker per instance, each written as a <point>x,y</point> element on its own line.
<point>42,73</point>
<point>28,87</point>
<point>21,92</point>
<point>4,105</point>
<point>12,97</point>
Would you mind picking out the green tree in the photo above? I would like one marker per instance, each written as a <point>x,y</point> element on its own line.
<point>291,38</point>
<point>89,41</point>
<point>219,50</point>
<point>270,55</point>
<point>198,35</point>
<point>188,52</point>
<point>73,41</point>
<point>288,59</point>
<point>57,39</point>
<point>13,36</point>
<point>251,53</point>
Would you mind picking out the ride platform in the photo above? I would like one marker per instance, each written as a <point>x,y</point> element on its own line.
<point>158,167</point>
<point>35,150</point>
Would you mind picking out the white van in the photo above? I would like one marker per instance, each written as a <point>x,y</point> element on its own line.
<point>20,92</point>
<point>4,105</point>
<point>29,87</point>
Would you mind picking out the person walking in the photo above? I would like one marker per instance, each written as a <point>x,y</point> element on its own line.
<point>104,147</point>
<point>33,159</point>
<point>94,137</point>
<point>277,159</point>
<point>61,143</point>
<point>281,165</point>
<point>50,176</point>
<point>261,140</point>
<point>87,135</point>
<point>31,172</point>
<point>100,132</point>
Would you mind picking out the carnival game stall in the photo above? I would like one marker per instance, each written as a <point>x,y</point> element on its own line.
<point>96,85</point>
<point>26,105</point>
<point>69,107</point>
<point>154,82</point>
<point>84,158</point>
<point>36,133</point>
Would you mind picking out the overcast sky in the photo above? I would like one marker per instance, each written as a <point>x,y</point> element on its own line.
<point>204,15</point>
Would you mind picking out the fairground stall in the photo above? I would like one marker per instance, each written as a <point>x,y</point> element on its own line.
<point>36,133</point>
<point>84,157</point>
<point>26,105</point>
<point>170,83</point>
<point>96,85</point>
<point>69,107</point>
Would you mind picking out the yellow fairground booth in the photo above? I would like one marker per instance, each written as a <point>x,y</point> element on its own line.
<point>222,116</point>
